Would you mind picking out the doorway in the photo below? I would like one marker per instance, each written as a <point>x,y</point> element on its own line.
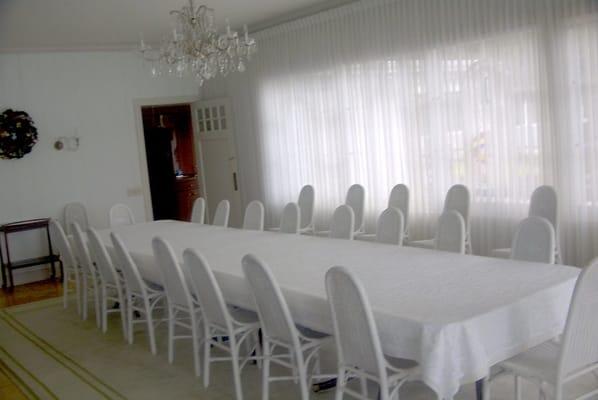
<point>172,165</point>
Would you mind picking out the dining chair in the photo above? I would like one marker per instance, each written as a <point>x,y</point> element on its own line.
<point>359,351</point>
<point>534,241</point>
<point>343,223</point>
<point>254,216</point>
<point>390,228</point>
<point>198,212</point>
<point>451,232</point>
<point>89,274</point>
<point>183,308</point>
<point>219,320</point>
<point>552,364</point>
<point>283,342</point>
<point>75,212</point>
<point>544,204</point>
<point>356,200</point>
<point>70,268</point>
<point>142,298</point>
<point>222,214</point>
<point>121,214</point>
<point>399,198</point>
<point>457,199</point>
<point>306,203</point>
<point>111,282</point>
<point>290,218</point>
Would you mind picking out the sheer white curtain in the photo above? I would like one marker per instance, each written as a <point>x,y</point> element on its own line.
<point>500,95</point>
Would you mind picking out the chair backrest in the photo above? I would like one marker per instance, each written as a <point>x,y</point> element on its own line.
<point>391,226</point>
<point>450,234</point>
<point>579,347</point>
<point>534,241</point>
<point>272,307</point>
<point>356,200</point>
<point>209,294</point>
<point>342,225</point>
<point>289,220</point>
<point>176,287</point>
<point>254,216</point>
<point>544,203</point>
<point>75,212</point>
<point>399,198</point>
<point>81,249</point>
<point>62,244</point>
<point>102,259</point>
<point>306,201</point>
<point>222,213</point>
<point>458,199</point>
<point>133,280</point>
<point>357,341</point>
<point>121,214</point>
<point>198,213</point>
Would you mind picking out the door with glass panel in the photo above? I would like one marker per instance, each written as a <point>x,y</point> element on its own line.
<point>218,158</point>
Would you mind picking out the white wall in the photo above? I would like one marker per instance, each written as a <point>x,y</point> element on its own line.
<point>89,94</point>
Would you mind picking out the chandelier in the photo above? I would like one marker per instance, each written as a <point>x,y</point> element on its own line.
<point>196,49</point>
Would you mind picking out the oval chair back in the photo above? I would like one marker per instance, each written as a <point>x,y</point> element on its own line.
<point>289,220</point>
<point>450,235</point>
<point>254,216</point>
<point>343,223</point>
<point>391,227</point>
<point>534,241</point>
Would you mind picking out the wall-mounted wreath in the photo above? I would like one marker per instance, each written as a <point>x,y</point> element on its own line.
<point>18,135</point>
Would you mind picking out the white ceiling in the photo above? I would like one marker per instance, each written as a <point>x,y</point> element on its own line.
<point>33,25</point>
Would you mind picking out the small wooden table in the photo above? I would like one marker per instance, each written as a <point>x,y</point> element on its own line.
<point>7,265</point>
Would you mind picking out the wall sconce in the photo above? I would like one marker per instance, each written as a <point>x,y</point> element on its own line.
<point>68,143</point>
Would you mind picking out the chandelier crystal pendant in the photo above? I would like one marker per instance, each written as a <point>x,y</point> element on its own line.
<point>196,49</point>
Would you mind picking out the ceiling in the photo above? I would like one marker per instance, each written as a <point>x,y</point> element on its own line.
<point>47,25</point>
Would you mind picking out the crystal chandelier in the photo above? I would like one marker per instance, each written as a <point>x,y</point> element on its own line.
<point>196,49</point>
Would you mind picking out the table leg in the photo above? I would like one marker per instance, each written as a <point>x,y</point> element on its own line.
<point>479,389</point>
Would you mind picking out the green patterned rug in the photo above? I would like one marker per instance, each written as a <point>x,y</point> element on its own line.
<point>49,353</point>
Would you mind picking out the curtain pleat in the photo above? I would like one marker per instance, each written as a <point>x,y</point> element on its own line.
<point>500,95</point>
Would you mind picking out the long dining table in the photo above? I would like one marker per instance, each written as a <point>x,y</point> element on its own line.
<point>456,315</point>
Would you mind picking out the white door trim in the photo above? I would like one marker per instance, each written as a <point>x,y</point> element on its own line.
<point>137,105</point>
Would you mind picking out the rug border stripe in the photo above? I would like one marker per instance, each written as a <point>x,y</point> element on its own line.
<point>36,340</point>
<point>18,381</point>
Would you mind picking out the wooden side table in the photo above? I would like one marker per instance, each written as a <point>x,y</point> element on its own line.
<point>8,265</point>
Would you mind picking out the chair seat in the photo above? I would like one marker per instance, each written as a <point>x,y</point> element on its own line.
<point>540,362</point>
<point>367,237</point>
<point>422,244</point>
<point>310,333</point>
<point>244,317</point>
<point>501,253</point>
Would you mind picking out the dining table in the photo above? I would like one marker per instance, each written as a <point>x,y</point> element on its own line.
<point>456,315</point>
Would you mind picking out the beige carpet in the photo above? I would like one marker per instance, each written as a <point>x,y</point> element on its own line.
<point>51,354</point>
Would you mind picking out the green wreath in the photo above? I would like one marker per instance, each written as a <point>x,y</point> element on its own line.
<point>18,135</point>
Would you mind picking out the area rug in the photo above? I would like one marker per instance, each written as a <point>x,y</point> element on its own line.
<point>49,353</point>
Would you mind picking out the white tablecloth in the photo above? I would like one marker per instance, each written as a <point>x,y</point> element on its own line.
<point>456,315</point>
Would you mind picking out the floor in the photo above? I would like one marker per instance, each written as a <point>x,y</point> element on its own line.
<point>20,295</point>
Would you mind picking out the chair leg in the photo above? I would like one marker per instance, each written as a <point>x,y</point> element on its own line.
<point>171,317</point>
<point>150,327</point>
<point>65,288</point>
<point>130,318</point>
<point>363,383</point>
<point>84,294</point>
<point>104,310</point>
<point>234,349</point>
<point>195,345</point>
<point>517,387</point>
<point>266,369</point>
<point>123,314</point>
<point>340,384</point>
<point>206,355</point>
<point>96,300</point>
<point>303,380</point>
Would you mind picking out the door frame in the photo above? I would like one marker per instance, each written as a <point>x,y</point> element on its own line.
<point>137,106</point>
